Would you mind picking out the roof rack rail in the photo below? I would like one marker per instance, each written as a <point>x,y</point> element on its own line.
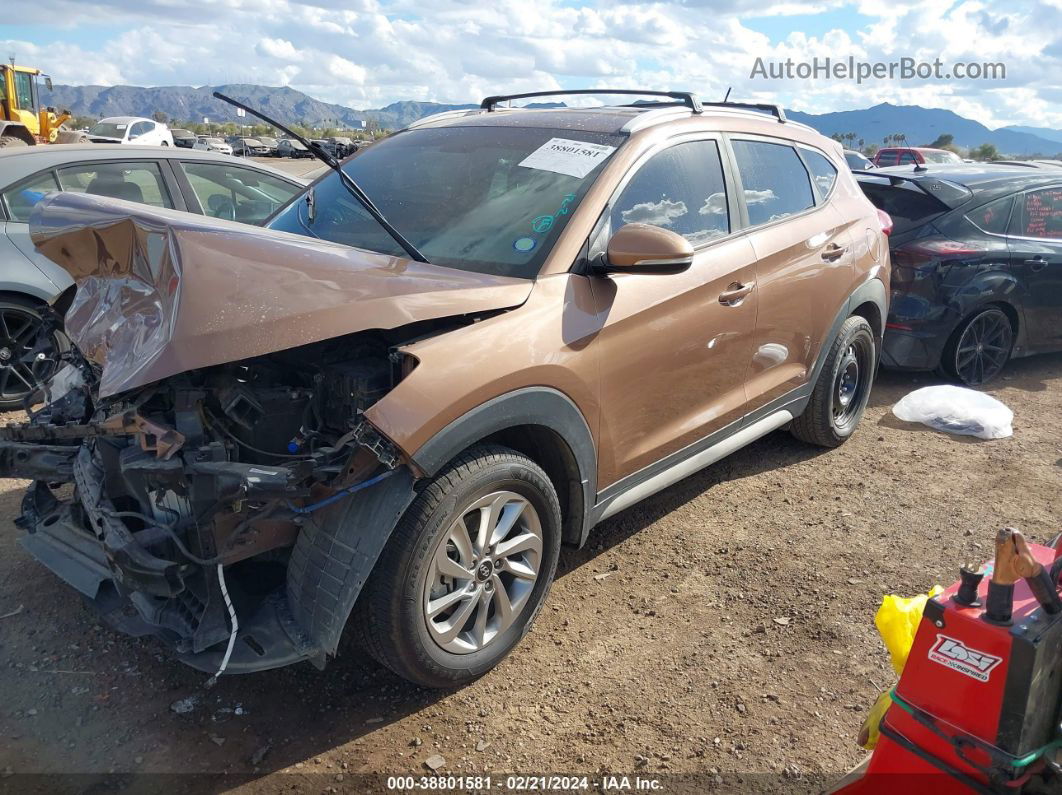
<point>687,98</point>
<point>775,110</point>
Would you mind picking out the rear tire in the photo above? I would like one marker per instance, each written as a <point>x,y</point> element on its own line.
<point>979,348</point>
<point>841,392</point>
<point>485,529</point>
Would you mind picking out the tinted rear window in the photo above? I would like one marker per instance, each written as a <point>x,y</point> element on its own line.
<point>908,207</point>
<point>775,181</point>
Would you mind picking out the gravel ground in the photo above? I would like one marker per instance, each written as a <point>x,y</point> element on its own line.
<point>722,628</point>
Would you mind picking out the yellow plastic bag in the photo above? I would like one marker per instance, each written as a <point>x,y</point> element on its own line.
<point>897,621</point>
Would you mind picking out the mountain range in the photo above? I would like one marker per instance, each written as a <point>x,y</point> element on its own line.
<point>185,103</point>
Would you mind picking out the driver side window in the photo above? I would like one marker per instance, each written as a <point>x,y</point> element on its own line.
<point>681,189</point>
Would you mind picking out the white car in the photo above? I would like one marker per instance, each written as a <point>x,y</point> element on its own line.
<point>204,143</point>
<point>130,130</point>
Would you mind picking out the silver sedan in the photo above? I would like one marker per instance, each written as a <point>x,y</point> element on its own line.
<point>181,179</point>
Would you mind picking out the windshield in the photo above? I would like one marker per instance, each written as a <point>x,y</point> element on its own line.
<point>214,141</point>
<point>941,157</point>
<point>108,129</point>
<point>268,141</point>
<point>486,199</point>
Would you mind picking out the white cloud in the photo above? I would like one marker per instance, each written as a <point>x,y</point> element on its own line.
<point>367,53</point>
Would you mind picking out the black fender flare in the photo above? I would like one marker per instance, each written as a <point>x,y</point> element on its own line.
<point>871,291</point>
<point>537,405</point>
<point>338,547</point>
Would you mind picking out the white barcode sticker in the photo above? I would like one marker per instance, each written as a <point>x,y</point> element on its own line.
<point>564,156</point>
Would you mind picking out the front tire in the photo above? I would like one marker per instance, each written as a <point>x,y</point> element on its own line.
<point>22,365</point>
<point>466,570</point>
<point>841,392</point>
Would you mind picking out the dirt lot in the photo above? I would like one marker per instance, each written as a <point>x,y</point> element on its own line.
<point>722,628</point>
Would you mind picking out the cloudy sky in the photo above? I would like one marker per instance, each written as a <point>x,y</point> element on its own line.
<point>366,53</point>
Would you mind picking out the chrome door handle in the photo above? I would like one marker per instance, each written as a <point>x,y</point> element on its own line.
<point>833,252</point>
<point>1036,264</point>
<point>735,293</point>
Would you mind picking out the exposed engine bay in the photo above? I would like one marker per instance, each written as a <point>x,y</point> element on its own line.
<point>201,467</point>
<point>176,507</point>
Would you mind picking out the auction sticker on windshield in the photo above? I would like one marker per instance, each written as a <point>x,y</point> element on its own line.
<point>564,156</point>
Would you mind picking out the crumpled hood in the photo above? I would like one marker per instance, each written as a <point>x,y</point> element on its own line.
<point>160,292</point>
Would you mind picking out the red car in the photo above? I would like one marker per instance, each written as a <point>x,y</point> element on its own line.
<point>903,155</point>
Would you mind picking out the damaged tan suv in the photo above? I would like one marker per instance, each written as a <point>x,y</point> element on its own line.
<point>390,407</point>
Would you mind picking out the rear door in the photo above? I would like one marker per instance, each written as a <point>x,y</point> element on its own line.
<point>804,261</point>
<point>1035,243</point>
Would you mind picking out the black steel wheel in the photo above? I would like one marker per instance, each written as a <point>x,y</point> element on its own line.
<point>980,348</point>
<point>842,389</point>
<point>25,360</point>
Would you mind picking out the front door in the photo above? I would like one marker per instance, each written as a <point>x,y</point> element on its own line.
<point>1035,243</point>
<point>674,349</point>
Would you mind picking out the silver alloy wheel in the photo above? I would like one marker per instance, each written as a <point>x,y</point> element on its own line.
<point>483,571</point>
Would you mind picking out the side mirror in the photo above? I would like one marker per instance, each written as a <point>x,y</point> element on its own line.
<point>643,248</point>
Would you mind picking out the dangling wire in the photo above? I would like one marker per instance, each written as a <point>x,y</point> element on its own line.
<point>235,626</point>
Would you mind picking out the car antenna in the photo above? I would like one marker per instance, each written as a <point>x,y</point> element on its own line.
<point>728,93</point>
<point>348,181</point>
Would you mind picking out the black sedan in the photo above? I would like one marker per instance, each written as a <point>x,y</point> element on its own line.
<point>976,266</point>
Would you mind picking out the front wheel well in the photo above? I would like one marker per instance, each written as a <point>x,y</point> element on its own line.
<point>548,449</point>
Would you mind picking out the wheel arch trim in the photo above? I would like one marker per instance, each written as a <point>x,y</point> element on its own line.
<point>530,406</point>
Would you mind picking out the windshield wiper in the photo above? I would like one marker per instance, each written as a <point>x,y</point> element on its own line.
<point>348,182</point>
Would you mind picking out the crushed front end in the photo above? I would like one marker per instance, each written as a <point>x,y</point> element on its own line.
<point>214,496</point>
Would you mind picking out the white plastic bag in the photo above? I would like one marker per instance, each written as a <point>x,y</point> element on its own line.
<point>958,410</point>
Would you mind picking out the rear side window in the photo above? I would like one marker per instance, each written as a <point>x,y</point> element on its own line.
<point>992,217</point>
<point>1040,214</point>
<point>21,198</point>
<point>133,182</point>
<point>823,172</point>
<point>681,189</point>
<point>906,158</point>
<point>775,180</point>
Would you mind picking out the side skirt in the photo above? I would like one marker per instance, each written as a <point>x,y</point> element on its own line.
<point>690,460</point>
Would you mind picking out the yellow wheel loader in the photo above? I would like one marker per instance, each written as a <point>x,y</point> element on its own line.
<point>23,122</point>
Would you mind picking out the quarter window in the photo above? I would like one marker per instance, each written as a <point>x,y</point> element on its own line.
<point>1040,214</point>
<point>133,182</point>
<point>992,217</point>
<point>823,172</point>
<point>775,181</point>
<point>23,197</point>
<point>681,189</point>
